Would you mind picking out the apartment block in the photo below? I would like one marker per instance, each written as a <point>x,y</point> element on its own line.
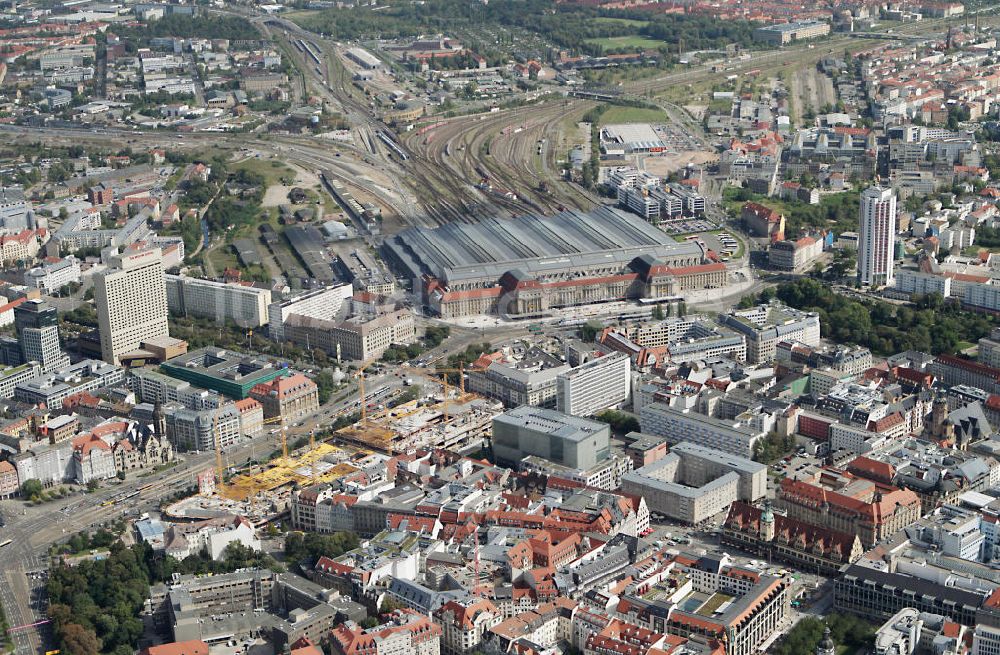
<point>246,306</point>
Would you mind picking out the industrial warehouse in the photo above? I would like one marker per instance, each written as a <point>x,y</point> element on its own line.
<point>533,263</point>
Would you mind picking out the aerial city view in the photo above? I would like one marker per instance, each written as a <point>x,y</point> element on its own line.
<point>499,327</point>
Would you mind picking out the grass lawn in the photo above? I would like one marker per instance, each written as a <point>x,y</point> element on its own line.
<point>223,257</point>
<point>273,170</point>
<point>628,22</point>
<point>634,41</point>
<point>616,114</point>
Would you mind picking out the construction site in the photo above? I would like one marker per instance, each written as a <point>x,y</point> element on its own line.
<point>456,420</point>
<point>451,418</point>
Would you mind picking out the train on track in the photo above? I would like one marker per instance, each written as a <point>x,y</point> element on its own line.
<point>390,142</point>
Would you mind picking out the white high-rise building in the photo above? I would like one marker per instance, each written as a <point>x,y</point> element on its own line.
<point>877,236</point>
<point>131,299</point>
<point>595,386</point>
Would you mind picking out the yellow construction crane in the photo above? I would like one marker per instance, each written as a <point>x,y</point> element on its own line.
<point>360,375</point>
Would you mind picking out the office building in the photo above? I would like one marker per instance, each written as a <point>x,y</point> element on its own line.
<point>51,388</point>
<point>840,501</point>
<point>736,437</point>
<point>765,326</point>
<point>200,430</point>
<point>530,381</point>
<point>229,373</point>
<point>12,376</point>
<point>594,386</point>
<point>154,387</point>
<point>692,483</point>
<point>52,276</point>
<point>320,303</point>
<point>362,337</point>
<point>288,397</point>
<point>37,326</point>
<point>131,300</point>
<point>784,33</point>
<point>880,589</point>
<point>15,210</point>
<point>246,306</point>
<point>567,440</point>
<point>877,237</point>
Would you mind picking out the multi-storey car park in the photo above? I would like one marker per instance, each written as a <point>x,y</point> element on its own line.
<point>532,263</point>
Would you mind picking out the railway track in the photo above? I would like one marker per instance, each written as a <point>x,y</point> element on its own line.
<point>502,147</point>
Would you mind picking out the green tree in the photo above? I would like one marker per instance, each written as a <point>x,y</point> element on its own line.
<point>31,489</point>
<point>77,640</point>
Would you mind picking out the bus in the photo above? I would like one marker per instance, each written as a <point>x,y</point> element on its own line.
<point>6,543</point>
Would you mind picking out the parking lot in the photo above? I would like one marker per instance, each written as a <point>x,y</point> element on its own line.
<point>687,225</point>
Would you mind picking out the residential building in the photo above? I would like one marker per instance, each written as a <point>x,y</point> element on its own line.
<point>251,417</point>
<point>877,237</point>
<point>246,306</point>
<point>464,624</point>
<point>92,459</point>
<point>561,438</point>
<point>287,398</point>
<point>9,485</point>
<point>594,386</point>
<point>405,633</point>
<point>917,282</point>
<point>133,281</point>
<point>989,349</point>
<point>795,255</point>
<point>212,536</point>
